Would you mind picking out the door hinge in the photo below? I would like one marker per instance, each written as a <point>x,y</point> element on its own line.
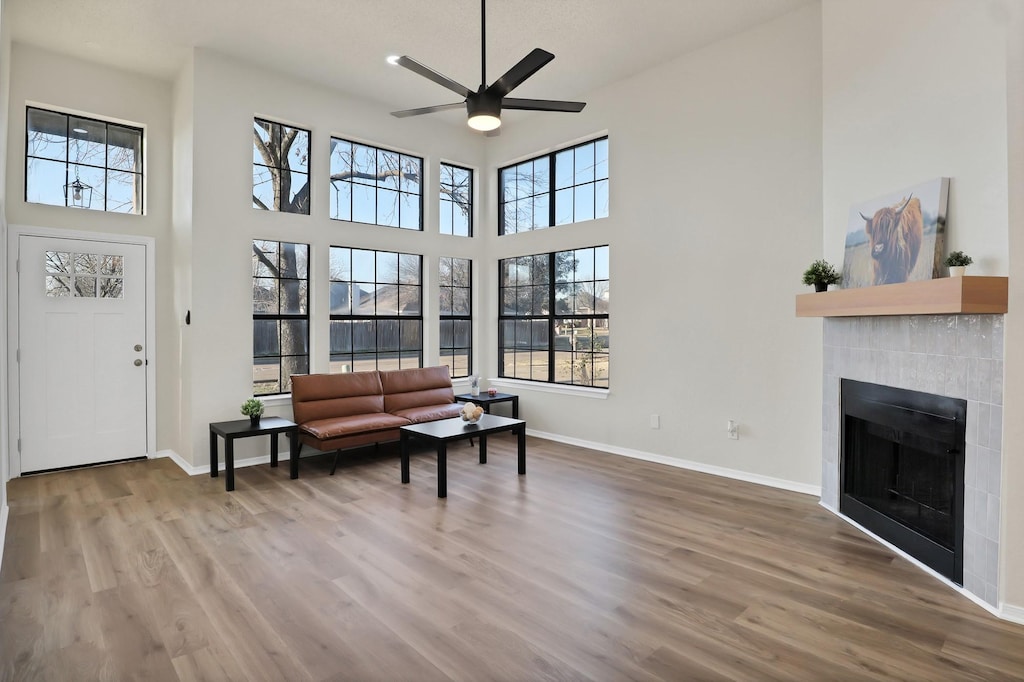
<point>17,265</point>
<point>17,355</point>
<point>19,446</point>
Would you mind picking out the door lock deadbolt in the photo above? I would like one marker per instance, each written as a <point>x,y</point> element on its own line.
<point>138,363</point>
<point>138,347</point>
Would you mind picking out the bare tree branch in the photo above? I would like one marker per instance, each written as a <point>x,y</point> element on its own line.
<point>256,200</point>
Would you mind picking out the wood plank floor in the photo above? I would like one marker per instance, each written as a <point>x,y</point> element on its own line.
<point>591,567</point>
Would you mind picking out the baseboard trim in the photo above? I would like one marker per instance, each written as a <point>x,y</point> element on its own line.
<point>1012,613</point>
<point>5,511</point>
<point>205,469</point>
<point>1004,611</point>
<point>780,483</point>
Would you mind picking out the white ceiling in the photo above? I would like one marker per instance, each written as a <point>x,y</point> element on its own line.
<point>344,43</point>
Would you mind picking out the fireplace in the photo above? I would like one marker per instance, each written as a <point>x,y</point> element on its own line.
<point>902,470</point>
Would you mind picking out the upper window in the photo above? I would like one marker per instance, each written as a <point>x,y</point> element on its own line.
<point>376,311</point>
<point>280,167</point>
<point>82,162</point>
<point>456,318</point>
<point>280,315</point>
<point>456,200</point>
<point>376,186</point>
<point>553,324</point>
<point>568,186</point>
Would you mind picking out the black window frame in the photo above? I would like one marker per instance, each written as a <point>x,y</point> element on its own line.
<point>335,354</point>
<point>304,204</point>
<point>548,198</point>
<point>453,350</point>
<point>544,317</point>
<point>107,169</point>
<point>448,197</point>
<point>376,183</point>
<point>284,384</point>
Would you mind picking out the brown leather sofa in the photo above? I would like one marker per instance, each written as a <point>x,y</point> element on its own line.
<point>338,411</point>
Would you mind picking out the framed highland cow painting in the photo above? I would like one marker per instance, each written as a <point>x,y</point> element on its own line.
<point>897,238</point>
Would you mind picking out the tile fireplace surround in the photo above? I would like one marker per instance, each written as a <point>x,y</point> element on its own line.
<point>959,356</point>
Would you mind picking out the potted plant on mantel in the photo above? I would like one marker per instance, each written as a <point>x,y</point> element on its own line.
<point>957,262</point>
<point>821,274</point>
<point>253,409</point>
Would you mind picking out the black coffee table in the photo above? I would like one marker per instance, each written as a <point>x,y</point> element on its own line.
<point>445,431</point>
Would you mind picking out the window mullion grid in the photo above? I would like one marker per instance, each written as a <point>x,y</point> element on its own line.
<point>551,315</point>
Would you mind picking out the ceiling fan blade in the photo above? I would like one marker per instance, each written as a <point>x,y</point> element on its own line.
<point>542,105</point>
<point>527,66</point>
<point>427,110</point>
<point>440,79</point>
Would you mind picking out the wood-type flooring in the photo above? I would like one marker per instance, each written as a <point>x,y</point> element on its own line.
<point>590,567</point>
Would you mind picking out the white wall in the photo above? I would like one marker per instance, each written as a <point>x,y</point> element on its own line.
<point>1013,429</point>
<point>5,93</point>
<point>919,95</point>
<point>715,209</point>
<point>227,94</point>
<point>46,79</point>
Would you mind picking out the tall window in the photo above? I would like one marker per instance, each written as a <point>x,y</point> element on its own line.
<point>82,162</point>
<point>456,308</point>
<point>280,315</point>
<point>376,186</point>
<point>553,324</point>
<point>280,167</point>
<point>456,200</point>
<point>568,186</point>
<point>376,311</point>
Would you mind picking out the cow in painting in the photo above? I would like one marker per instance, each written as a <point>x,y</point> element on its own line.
<point>894,236</point>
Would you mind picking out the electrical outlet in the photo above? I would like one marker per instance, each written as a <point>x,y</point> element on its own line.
<point>655,421</point>
<point>732,429</point>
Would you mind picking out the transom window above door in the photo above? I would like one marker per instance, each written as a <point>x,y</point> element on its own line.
<point>82,162</point>
<point>84,275</point>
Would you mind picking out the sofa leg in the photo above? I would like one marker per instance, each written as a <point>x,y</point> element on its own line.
<point>334,466</point>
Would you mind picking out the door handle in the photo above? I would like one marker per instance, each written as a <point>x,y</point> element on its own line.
<point>138,363</point>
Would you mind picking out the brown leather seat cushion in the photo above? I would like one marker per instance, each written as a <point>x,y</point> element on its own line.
<point>430,413</point>
<point>325,396</point>
<point>334,427</point>
<point>408,388</point>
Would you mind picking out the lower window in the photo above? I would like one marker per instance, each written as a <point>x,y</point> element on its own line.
<point>280,315</point>
<point>553,324</point>
<point>376,311</point>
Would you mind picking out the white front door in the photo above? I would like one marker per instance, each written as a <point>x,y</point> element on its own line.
<point>81,344</point>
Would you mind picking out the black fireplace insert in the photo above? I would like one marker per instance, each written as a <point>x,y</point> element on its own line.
<point>902,471</point>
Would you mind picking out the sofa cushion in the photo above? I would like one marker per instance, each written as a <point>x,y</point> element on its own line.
<point>407,388</point>
<point>430,413</point>
<point>324,396</point>
<point>335,427</point>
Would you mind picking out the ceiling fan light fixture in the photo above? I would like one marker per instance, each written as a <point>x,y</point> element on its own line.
<point>484,112</point>
<point>484,122</point>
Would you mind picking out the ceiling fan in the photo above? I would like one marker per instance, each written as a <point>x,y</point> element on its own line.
<point>484,106</point>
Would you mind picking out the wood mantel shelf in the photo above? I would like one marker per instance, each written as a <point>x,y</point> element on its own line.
<point>943,296</point>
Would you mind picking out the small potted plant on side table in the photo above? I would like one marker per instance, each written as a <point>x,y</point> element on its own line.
<point>253,408</point>
<point>820,274</point>
<point>957,262</point>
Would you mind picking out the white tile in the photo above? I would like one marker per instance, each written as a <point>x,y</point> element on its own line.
<point>995,427</point>
<point>972,422</point>
<point>971,466</point>
<point>992,530</point>
<point>984,410</point>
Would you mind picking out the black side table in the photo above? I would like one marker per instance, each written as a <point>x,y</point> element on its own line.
<point>485,401</point>
<point>243,428</point>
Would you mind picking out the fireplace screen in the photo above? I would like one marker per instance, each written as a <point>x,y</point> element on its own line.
<point>903,463</point>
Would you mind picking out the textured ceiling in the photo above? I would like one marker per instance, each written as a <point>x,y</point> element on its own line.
<point>344,43</point>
